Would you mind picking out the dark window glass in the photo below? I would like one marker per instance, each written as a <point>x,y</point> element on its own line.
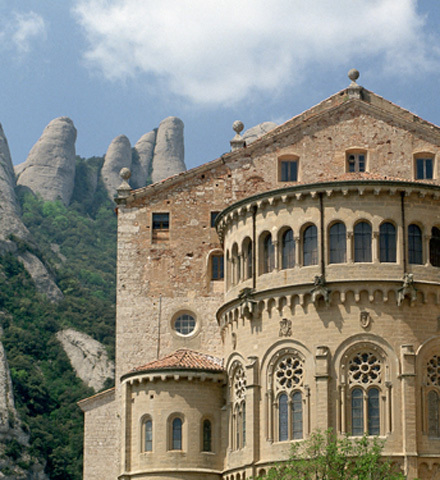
<point>217,267</point>
<point>357,412</point>
<point>297,416</point>
<point>289,171</point>
<point>268,254</point>
<point>244,423</point>
<point>434,247</point>
<point>288,250</point>
<point>338,243</point>
<point>213,217</point>
<point>161,221</point>
<point>185,324</point>
<point>177,434</point>
<point>424,168</point>
<point>415,251</point>
<point>373,412</point>
<point>248,259</point>
<point>310,246</point>
<point>356,162</point>
<point>387,234</point>
<point>148,436</point>
<point>283,420</point>
<point>362,242</point>
<point>433,414</point>
<point>207,435</point>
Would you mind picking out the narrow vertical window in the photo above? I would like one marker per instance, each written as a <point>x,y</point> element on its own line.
<point>217,267</point>
<point>176,434</point>
<point>373,412</point>
<point>207,436</point>
<point>310,246</point>
<point>235,265</point>
<point>287,250</point>
<point>297,416</point>
<point>415,250</point>
<point>338,243</point>
<point>433,414</point>
<point>387,236</point>
<point>357,412</point>
<point>362,242</point>
<point>283,418</point>
<point>268,254</point>
<point>434,247</point>
<point>213,217</point>
<point>161,226</point>
<point>249,261</point>
<point>244,424</point>
<point>424,168</point>
<point>289,171</point>
<point>148,436</point>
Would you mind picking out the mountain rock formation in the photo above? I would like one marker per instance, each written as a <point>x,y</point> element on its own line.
<point>10,221</point>
<point>253,133</point>
<point>118,156</point>
<point>49,169</point>
<point>88,358</point>
<point>141,169</point>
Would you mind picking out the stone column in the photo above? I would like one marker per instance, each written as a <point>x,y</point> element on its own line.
<point>322,388</point>
<point>409,433</point>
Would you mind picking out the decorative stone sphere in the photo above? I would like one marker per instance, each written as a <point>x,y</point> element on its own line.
<point>125,173</point>
<point>237,126</point>
<point>353,74</point>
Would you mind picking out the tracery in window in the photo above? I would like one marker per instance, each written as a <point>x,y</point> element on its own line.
<point>415,246</point>
<point>387,239</point>
<point>434,247</point>
<point>362,242</point>
<point>288,388</point>
<point>310,245</point>
<point>433,395</point>
<point>287,249</point>
<point>238,417</point>
<point>338,243</point>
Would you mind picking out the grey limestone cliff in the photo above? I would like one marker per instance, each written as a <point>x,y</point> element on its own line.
<point>144,152</point>
<point>169,149</point>
<point>88,357</point>
<point>49,169</point>
<point>259,130</point>
<point>10,221</point>
<point>118,156</point>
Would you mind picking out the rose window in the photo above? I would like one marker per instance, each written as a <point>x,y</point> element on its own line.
<point>365,368</point>
<point>433,371</point>
<point>239,382</point>
<point>289,373</point>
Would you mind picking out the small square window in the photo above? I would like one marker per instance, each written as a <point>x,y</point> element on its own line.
<point>424,168</point>
<point>288,170</point>
<point>356,162</point>
<point>213,217</point>
<point>161,227</point>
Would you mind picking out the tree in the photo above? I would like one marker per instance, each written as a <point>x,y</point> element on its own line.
<point>324,456</point>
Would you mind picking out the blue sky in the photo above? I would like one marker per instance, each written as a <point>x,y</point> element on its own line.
<point>121,66</point>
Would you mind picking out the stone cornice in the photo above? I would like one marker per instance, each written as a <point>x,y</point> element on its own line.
<point>175,374</point>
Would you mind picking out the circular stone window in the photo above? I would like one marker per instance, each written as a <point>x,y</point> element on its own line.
<point>185,324</point>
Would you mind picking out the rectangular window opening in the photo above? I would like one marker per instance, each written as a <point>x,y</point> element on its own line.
<point>289,170</point>
<point>161,227</point>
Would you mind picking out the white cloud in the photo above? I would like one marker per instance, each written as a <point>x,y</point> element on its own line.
<point>26,28</point>
<point>222,51</point>
<point>19,31</point>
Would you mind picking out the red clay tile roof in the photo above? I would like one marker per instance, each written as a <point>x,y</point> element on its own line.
<point>364,176</point>
<point>184,359</point>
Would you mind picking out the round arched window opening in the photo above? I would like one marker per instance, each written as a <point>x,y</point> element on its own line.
<point>185,324</point>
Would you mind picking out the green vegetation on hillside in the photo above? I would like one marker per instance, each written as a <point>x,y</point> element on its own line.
<point>78,245</point>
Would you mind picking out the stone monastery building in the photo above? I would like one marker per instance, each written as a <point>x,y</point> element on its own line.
<point>292,284</point>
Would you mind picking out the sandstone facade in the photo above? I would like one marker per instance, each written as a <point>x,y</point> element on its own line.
<point>308,262</point>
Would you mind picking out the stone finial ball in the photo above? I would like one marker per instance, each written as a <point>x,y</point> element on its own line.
<point>353,74</point>
<point>125,173</point>
<point>237,126</point>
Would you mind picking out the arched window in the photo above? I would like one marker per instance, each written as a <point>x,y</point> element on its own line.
<point>310,246</point>
<point>207,436</point>
<point>148,435</point>
<point>433,396</point>
<point>268,254</point>
<point>176,434</point>
<point>364,372</point>
<point>338,243</point>
<point>238,405</point>
<point>288,377</point>
<point>248,260</point>
<point>434,247</point>
<point>217,266</point>
<point>235,265</point>
<point>287,249</point>
<point>362,242</point>
<point>387,235</point>
<point>415,250</point>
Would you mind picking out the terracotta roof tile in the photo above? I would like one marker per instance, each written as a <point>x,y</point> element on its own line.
<point>184,359</point>
<point>365,176</point>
